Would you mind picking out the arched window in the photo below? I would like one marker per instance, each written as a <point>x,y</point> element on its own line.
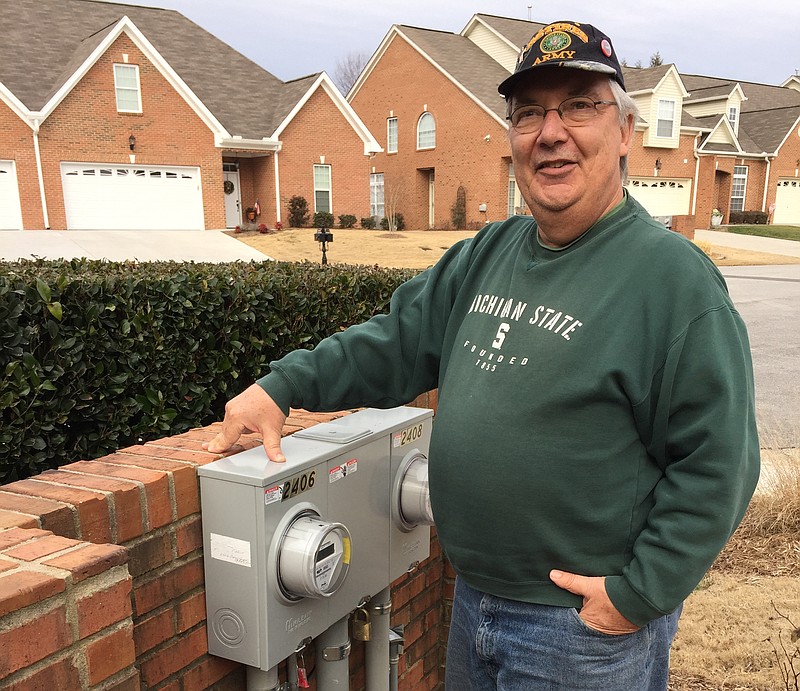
<point>426,132</point>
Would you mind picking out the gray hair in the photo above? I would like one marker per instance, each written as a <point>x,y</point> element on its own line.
<point>627,108</point>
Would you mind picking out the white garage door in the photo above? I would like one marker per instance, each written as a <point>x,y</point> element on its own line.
<point>100,196</point>
<point>787,201</point>
<point>10,209</point>
<point>662,196</point>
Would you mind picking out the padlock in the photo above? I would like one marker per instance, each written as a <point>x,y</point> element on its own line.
<point>362,629</point>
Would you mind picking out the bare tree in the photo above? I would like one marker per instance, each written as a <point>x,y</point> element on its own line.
<point>348,69</point>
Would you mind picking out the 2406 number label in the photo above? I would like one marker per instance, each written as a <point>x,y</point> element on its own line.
<point>298,484</point>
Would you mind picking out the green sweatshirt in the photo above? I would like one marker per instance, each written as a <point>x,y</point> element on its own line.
<point>595,411</point>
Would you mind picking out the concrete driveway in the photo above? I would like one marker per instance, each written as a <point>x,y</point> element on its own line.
<point>124,245</point>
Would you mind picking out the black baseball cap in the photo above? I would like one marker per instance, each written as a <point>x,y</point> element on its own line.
<point>566,44</point>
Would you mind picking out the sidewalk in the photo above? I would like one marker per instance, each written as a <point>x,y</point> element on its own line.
<point>126,245</point>
<point>790,248</point>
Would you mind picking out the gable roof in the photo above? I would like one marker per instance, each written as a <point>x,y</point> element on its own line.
<point>46,42</point>
<point>517,32</point>
<point>464,62</point>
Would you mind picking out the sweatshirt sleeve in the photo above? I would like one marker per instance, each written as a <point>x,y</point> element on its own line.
<point>702,432</point>
<point>386,361</point>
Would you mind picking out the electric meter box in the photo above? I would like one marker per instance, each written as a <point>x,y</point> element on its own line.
<point>291,548</point>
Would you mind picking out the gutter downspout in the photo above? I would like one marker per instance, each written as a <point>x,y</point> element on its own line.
<point>766,184</point>
<point>38,155</point>
<point>696,176</point>
<point>277,189</point>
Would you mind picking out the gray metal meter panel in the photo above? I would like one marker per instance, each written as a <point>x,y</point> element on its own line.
<point>291,548</point>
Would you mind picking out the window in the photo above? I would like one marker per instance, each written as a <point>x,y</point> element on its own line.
<point>738,188</point>
<point>322,188</point>
<point>426,132</point>
<point>126,85</point>
<point>391,136</point>
<point>666,118</point>
<point>733,116</point>
<point>376,207</point>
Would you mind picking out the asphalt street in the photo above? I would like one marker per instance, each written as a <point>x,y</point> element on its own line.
<point>768,298</point>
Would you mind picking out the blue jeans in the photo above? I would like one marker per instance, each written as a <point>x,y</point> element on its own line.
<point>504,645</point>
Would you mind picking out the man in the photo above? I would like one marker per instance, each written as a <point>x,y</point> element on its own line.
<point>595,444</point>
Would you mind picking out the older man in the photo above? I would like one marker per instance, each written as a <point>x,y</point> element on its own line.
<point>595,444</point>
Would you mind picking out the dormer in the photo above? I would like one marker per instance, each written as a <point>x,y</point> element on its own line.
<point>792,82</point>
<point>491,41</point>
<point>723,99</point>
<point>659,93</point>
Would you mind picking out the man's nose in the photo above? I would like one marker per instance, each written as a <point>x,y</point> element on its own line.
<point>553,127</point>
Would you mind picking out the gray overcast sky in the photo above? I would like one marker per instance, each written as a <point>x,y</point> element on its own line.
<point>738,39</point>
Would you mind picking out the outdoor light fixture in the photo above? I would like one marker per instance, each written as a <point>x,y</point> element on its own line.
<point>132,142</point>
<point>658,164</point>
<point>323,236</point>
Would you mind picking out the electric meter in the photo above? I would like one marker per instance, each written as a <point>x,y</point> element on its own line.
<point>313,557</point>
<point>411,502</point>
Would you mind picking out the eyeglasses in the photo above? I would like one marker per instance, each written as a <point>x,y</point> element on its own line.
<point>574,111</point>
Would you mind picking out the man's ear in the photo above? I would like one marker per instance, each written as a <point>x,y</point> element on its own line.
<point>627,136</point>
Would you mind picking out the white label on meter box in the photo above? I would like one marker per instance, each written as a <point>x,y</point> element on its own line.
<point>406,436</point>
<point>273,494</point>
<point>342,471</point>
<point>230,549</point>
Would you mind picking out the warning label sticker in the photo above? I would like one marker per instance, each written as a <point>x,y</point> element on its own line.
<point>273,494</point>
<point>341,471</point>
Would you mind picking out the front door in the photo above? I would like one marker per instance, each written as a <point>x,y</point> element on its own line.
<point>431,209</point>
<point>233,198</point>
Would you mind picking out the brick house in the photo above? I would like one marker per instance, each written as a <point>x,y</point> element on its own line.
<point>702,143</point>
<point>124,117</point>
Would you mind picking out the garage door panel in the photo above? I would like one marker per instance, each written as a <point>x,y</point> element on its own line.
<point>662,196</point>
<point>10,208</point>
<point>787,201</point>
<point>100,197</point>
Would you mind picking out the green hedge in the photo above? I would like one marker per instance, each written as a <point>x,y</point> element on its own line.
<point>96,356</point>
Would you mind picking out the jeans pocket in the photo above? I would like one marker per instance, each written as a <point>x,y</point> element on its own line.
<point>576,617</point>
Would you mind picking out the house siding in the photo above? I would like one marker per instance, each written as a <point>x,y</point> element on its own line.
<point>493,46</point>
<point>670,89</point>
<point>404,84</point>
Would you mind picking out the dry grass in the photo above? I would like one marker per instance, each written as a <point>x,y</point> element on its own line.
<point>419,249</point>
<point>729,632</point>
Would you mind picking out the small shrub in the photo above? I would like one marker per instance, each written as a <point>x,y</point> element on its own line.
<point>368,223</point>
<point>323,219</point>
<point>262,228</point>
<point>749,217</point>
<point>458,212</point>
<point>347,221</point>
<point>298,212</point>
<point>399,222</point>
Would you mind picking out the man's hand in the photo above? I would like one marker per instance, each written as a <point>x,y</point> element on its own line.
<point>597,612</point>
<point>251,411</point>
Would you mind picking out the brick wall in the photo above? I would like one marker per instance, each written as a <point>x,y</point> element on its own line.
<point>16,144</point>
<point>101,578</point>
<point>320,131</point>
<point>405,85</point>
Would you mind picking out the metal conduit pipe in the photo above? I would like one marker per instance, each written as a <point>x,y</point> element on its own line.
<point>377,647</point>
<point>259,680</point>
<point>291,673</point>
<point>333,651</point>
<point>396,641</point>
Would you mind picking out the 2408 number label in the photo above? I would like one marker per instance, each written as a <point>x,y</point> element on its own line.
<point>408,435</point>
<point>298,484</point>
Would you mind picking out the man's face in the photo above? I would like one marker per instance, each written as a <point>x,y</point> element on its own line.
<point>568,175</point>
